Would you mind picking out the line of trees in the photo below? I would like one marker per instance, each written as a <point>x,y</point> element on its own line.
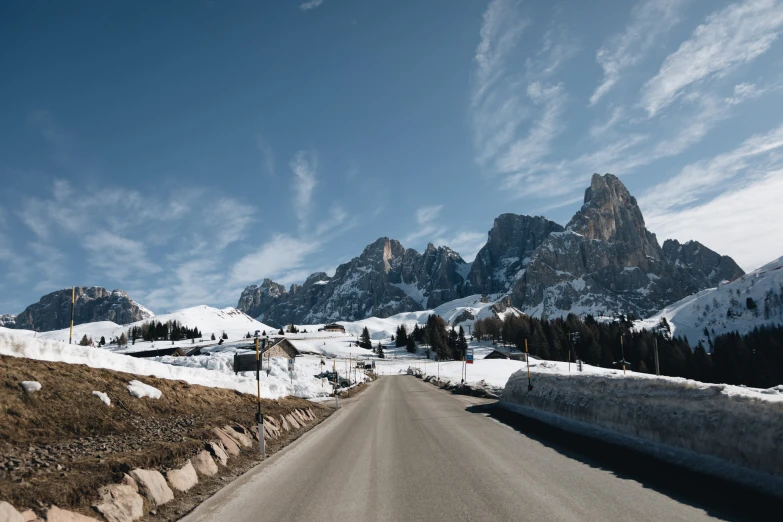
<point>754,359</point>
<point>157,331</point>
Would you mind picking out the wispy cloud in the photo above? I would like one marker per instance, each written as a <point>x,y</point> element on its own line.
<point>274,258</point>
<point>310,5</point>
<point>427,225</point>
<point>650,19</point>
<point>303,166</point>
<point>755,156</point>
<point>728,38</point>
<point>230,218</point>
<point>118,257</point>
<point>743,223</point>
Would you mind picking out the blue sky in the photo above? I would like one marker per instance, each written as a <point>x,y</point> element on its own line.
<point>183,150</point>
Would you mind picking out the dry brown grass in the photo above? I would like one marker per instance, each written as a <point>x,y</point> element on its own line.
<point>65,425</point>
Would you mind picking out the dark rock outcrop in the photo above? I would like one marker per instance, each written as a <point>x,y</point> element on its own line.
<point>604,260</point>
<point>511,242</point>
<point>607,261</point>
<point>95,303</point>
<point>8,320</point>
<point>384,280</point>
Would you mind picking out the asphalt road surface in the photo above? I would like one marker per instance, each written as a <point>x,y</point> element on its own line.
<point>404,450</point>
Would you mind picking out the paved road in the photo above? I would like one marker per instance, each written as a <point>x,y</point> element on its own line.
<point>404,450</point>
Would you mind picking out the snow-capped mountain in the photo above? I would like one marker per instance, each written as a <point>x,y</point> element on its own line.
<point>386,279</point>
<point>207,319</point>
<point>604,261</point>
<point>8,320</point>
<point>607,261</point>
<point>754,299</point>
<point>53,311</point>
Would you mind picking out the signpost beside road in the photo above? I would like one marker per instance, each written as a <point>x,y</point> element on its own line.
<point>469,356</point>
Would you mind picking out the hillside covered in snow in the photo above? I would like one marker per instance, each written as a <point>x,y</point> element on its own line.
<point>752,300</point>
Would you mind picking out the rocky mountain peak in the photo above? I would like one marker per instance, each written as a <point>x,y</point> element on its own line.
<point>608,211</point>
<point>95,303</point>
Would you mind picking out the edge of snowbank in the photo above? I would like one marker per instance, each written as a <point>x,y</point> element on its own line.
<point>731,435</point>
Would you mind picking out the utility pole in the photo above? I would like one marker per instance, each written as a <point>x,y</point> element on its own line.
<point>259,417</point>
<point>572,336</point>
<point>655,351</point>
<point>336,398</point>
<point>622,352</point>
<point>527,359</point>
<point>73,299</point>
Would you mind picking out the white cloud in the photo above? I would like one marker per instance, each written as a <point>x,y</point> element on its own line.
<point>733,36</point>
<point>303,165</point>
<point>274,258</point>
<point>501,30</point>
<point>310,5</point>
<point>119,257</point>
<point>743,223</point>
<point>230,218</point>
<point>650,19</point>
<point>426,224</point>
<point>752,158</point>
<point>537,143</point>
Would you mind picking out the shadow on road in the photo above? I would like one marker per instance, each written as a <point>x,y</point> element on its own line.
<point>720,498</point>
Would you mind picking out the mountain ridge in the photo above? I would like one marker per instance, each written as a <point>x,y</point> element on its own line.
<point>603,260</point>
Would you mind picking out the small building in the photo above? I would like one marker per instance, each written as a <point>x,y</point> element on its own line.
<point>497,354</point>
<point>281,347</point>
<point>333,327</point>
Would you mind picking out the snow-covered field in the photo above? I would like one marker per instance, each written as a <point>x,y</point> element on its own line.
<point>213,369</point>
<point>725,309</point>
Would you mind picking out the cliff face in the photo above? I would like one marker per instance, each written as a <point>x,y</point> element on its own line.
<point>384,280</point>
<point>607,261</point>
<point>53,311</point>
<point>511,242</point>
<point>604,261</point>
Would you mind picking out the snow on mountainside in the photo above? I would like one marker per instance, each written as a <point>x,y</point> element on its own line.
<point>207,319</point>
<point>752,300</point>
<point>604,261</point>
<point>384,280</point>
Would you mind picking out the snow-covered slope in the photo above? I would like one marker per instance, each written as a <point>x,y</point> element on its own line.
<point>459,312</point>
<point>207,319</point>
<point>752,300</point>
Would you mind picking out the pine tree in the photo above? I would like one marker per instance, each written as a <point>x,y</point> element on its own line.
<point>102,342</point>
<point>462,343</point>
<point>225,336</point>
<point>379,351</point>
<point>410,346</point>
<point>213,336</point>
<point>122,341</point>
<point>281,332</point>
<point>85,341</point>
<point>364,340</point>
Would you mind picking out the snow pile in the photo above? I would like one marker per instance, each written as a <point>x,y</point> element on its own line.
<point>755,299</point>
<point>727,424</point>
<point>213,370</point>
<point>105,398</point>
<point>140,390</point>
<point>31,386</point>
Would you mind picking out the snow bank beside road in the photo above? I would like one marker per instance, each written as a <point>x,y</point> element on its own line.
<point>736,425</point>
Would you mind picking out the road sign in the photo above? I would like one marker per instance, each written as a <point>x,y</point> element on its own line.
<point>245,362</point>
<point>290,365</point>
<point>373,365</point>
<point>469,356</point>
